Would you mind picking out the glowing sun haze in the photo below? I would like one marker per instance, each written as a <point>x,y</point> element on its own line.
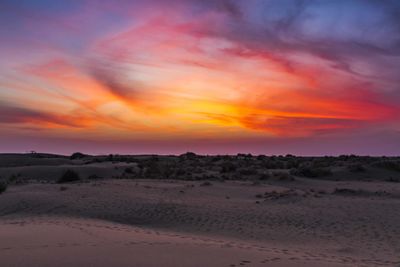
<point>210,76</point>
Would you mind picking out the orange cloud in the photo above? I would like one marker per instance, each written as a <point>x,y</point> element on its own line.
<point>170,76</point>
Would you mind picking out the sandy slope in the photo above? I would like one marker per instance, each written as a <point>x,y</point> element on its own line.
<point>78,242</point>
<point>175,223</point>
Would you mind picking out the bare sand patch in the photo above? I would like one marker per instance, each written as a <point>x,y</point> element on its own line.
<point>182,223</point>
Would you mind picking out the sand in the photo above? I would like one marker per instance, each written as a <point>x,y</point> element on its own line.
<point>77,242</point>
<point>185,223</point>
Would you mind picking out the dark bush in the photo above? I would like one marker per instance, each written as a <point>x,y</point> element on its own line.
<point>393,180</point>
<point>345,191</point>
<point>77,155</point>
<point>388,165</point>
<point>94,177</point>
<point>264,176</point>
<point>206,184</point>
<point>283,176</point>
<point>188,155</point>
<point>129,170</point>
<point>180,172</point>
<point>3,186</point>
<point>241,155</point>
<point>274,164</point>
<point>261,157</point>
<point>160,170</point>
<point>347,157</point>
<point>247,171</point>
<point>168,171</point>
<point>15,179</point>
<point>356,168</point>
<point>152,169</point>
<point>292,163</point>
<point>311,172</point>
<point>228,167</point>
<point>215,159</point>
<point>69,176</point>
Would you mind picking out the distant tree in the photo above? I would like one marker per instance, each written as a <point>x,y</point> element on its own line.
<point>110,157</point>
<point>77,155</point>
<point>188,155</point>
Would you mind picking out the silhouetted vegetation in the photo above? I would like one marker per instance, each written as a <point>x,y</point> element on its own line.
<point>94,177</point>
<point>345,191</point>
<point>283,176</point>
<point>311,172</point>
<point>264,176</point>
<point>77,155</point>
<point>15,179</point>
<point>3,186</point>
<point>393,179</point>
<point>69,176</point>
<point>393,165</point>
<point>129,170</point>
<point>188,155</point>
<point>356,168</point>
<point>190,166</point>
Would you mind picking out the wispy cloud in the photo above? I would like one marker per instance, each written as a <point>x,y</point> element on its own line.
<point>287,69</point>
<point>13,114</point>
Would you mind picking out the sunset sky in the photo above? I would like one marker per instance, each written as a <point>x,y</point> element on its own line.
<point>211,76</point>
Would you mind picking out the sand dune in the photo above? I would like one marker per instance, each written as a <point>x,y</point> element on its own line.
<point>182,223</point>
<point>77,242</point>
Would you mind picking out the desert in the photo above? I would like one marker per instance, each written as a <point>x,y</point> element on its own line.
<point>193,210</point>
<point>199,133</point>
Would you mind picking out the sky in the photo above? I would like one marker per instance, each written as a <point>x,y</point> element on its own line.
<point>306,77</point>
